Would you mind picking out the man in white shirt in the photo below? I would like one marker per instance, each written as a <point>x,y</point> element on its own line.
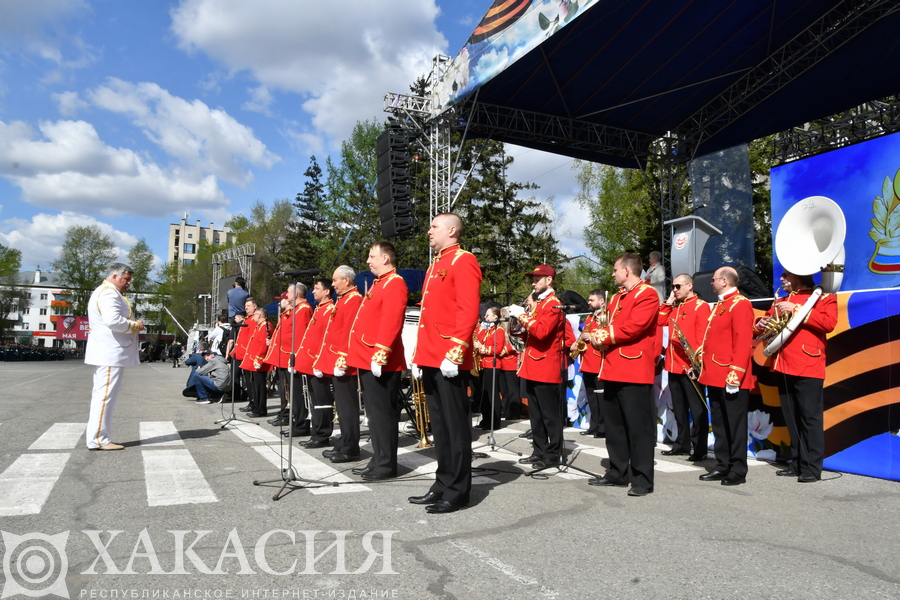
<point>112,344</point>
<point>656,275</point>
<point>214,339</point>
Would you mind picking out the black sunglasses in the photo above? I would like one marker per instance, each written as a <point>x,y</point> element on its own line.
<point>676,286</point>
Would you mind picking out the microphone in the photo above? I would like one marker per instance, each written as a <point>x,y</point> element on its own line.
<point>298,273</point>
<point>566,307</point>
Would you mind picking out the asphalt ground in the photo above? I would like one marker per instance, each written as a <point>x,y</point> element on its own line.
<point>521,537</point>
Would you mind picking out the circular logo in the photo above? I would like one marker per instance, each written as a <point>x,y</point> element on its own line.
<point>681,240</point>
<point>35,565</point>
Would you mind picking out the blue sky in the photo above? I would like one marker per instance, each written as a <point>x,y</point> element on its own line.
<point>128,114</point>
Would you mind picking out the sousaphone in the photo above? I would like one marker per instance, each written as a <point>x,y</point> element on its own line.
<point>809,240</point>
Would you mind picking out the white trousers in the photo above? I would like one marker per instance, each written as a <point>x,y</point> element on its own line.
<point>103,404</point>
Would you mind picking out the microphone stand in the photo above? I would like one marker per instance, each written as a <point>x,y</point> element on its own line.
<point>563,465</point>
<point>491,442</point>
<point>289,476</point>
<point>234,372</point>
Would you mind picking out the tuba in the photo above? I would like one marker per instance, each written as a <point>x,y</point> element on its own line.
<point>809,239</point>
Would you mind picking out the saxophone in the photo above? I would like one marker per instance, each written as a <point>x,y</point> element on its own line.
<point>476,355</point>
<point>692,355</point>
<point>602,319</point>
<point>423,419</point>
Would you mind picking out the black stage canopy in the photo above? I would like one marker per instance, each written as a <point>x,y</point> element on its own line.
<point>708,73</point>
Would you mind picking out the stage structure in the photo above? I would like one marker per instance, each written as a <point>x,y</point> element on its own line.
<point>629,82</point>
<point>243,254</point>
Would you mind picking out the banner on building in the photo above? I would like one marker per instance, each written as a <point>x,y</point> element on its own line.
<point>72,328</point>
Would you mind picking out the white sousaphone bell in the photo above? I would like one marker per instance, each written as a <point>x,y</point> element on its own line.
<point>810,239</point>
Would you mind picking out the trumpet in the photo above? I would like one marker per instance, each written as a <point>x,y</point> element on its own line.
<point>423,418</point>
<point>776,323</point>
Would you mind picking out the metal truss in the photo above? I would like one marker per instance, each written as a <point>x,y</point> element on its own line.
<point>243,254</point>
<point>828,33</point>
<point>866,121</point>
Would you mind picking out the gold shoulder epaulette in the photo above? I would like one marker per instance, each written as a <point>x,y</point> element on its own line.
<point>459,252</point>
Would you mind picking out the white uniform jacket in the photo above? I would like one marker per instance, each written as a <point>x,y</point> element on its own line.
<point>113,336</point>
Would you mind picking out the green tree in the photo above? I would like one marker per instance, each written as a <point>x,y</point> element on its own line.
<point>12,292</point>
<point>269,228</point>
<point>140,258</point>
<point>761,162</point>
<point>85,255</point>
<point>309,232</point>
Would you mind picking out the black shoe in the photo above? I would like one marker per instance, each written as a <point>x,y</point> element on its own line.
<point>807,479</point>
<point>359,470</point>
<point>789,472</point>
<point>588,432</point>
<point>599,435</point>
<point>443,506</point>
<point>603,481</point>
<point>696,457</point>
<point>315,444</point>
<point>543,464</point>
<point>526,435</point>
<point>714,476</point>
<point>674,453</point>
<point>279,422</point>
<point>529,460</point>
<point>376,476</point>
<point>245,409</point>
<point>296,433</point>
<point>639,491</point>
<point>256,415</point>
<point>338,457</point>
<point>331,452</point>
<point>734,479</point>
<point>429,498</point>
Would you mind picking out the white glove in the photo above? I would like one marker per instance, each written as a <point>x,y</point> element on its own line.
<point>319,374</point>
<point>416,371</point>
<point>291,371</point>
<point>339,372</point>
<point>449,369</point>
<point>732,389</point>
<point>516,311</point>
<point>376,369</point>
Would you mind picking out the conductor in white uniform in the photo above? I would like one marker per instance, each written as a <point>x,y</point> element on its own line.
<point>112,345</point>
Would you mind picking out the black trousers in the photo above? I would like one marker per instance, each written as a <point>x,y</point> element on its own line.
<point>382,398</point>
<point>629,413</point>
<point>802,405</point>
<point>491,404</point>
<point>240,386</point>
<point>283,385</point>
<point>594,392</point>
<point>685,398</point>
<point>545,408</point>
<point>346,399</point>
<point>321,419</point>
<point>258,394</point>
<point>448,407</point>
<point>729,422</point>
<point>512,397</point>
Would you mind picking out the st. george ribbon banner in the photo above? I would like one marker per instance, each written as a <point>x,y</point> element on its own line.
<point>72,328</point>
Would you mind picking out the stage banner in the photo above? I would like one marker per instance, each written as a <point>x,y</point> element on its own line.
<point>861,406</point>
<point>72,328</point>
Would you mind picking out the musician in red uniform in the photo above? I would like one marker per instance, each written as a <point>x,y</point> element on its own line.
<point>629,346</point>
<point>684,312</point>
<point>800,363</point>
<point>590,362</point>
<point>321,424</point>
<point>509,367</point>
<point>376,350</point>
<point>291,326</point>
<point>239,351</point>
<point>253,364</point>
<point>543,363</point>
<point>450,298</point>
<point>491,348</point>
<point>332,361</point>
<point>726,354</point>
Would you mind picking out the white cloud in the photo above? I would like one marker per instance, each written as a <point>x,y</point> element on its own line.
<point>70,103</point>
<point>204,139</point>
<point>37,28</point>
<point>41,238</point>
<point>342,57</point>
<point>69,168</point>
<point>260,101</point>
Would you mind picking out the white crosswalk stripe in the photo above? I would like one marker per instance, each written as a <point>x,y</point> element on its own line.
<point>173,477</point>
<point>26,484</point>
<point>60,436</point>
<point>159,433</point>
<point>252,434</point>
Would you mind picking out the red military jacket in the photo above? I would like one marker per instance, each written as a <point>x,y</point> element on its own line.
<point>727,347</point>
<point>494,341</point>
<point>803,354</point>
<point>375,333</point>
<point>590,360</point>
<point>450,298</point>
<point>543,358</point>
<point>311,342</point>
<point>336,343</point>
<point>257,347</point>
<point>630,336</point>
<point>690,316</point>
<point>243,336</point>
<point>280,348</point>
